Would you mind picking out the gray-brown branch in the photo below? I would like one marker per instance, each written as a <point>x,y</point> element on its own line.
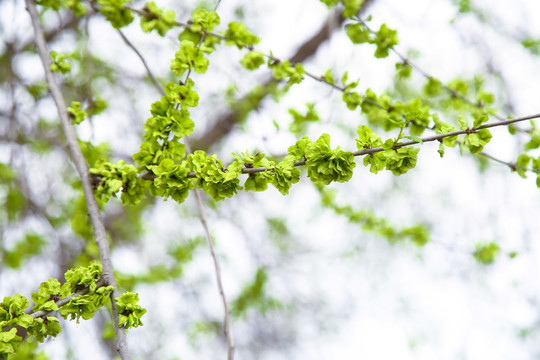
<point>82,168</point>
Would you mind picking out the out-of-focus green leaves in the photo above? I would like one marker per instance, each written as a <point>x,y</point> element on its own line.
<point>385,39</point>
<point>116,12</point>
<point>252,60</point>
<point>59,63</point>
<point>300,121</point>
<point>417,234</point>
<point>77,114</point>
<point>154,18</point>
<point>239,35</point>
<point>12,199</point>
<point>30,245</point>
<point>486,253</point>
<point>532,45</point>
<point>254,295</point>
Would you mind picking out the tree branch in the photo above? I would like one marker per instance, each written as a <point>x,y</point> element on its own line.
<point>202,213</point>
<point>210,240</point>
<point>425,74</point>
<point>82,169</point>
<point>152,77</point>
<point>438,137</point>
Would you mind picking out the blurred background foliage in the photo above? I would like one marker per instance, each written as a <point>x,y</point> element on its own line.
<point>306,274</point>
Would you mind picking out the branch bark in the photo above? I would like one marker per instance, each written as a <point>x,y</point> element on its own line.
<point>82,168</point>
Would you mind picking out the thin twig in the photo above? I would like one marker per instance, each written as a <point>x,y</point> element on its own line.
<point>80,164</point>
<point>200,206</point>
<point>217,267</point>
<point>227,321</point>
<point>152,77</point>
<point>425,74</point>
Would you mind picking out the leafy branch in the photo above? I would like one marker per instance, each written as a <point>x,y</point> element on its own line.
<point>200,206</point>
<point>82,169</point>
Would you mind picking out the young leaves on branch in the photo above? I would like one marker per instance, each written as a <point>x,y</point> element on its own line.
<point>326,165</point>
<point>129,310</point>
<point>116,12</point>
<point>154,18</point>
<point>59,63</point>
<point>385,39</point>
<point>81,281</point>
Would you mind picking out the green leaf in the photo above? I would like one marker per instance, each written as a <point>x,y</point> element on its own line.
<point>433,87</point>
<point>129,310</point>
<point>403,70</point>
<point>59,63</point>
<point>43,327</point>
<point>480,118</point>
<point>522,165</point>
<point>414,138</point>
<point>401,160</point>
<point>300,121</point>
<point>171,180</point>
<point>154,18</point>
<point>77,114</point>
<point>462,123</point>
<point>252,60</point>
<point>442,127</point>
<point>366,138</point>
<point>285,174</point>
<point>116,12</point>
<point>486,253</point>
<point>204,20</point>
<point>219,183</point>
<point>189,57</point>
<point>8,342</point>
<point>254,295</point>
<point>352,99</point>
<point>12,311</point>
<point>116,178</point>
<point>53,4</point>
<point>358,33</point>
<point>532,45</point>
<point>441,149</point>
<point>352,7</point>
<point>48,293</point>
<point>328,77</point>
<point>298,150</point>
<point>30,245</point>
<point>478,140</point>
<point>330,3</point>
<point>237,34</point>
<point>534,142</point>
<point>385,40</point>
<point>256,181</point>
<point>283,70</point>
<point>389,144</point>
<point>326,165</point>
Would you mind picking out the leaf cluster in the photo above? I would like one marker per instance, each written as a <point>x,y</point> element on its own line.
<point>129,310</point>
<point>385,38</point>
<point>80,279</point>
